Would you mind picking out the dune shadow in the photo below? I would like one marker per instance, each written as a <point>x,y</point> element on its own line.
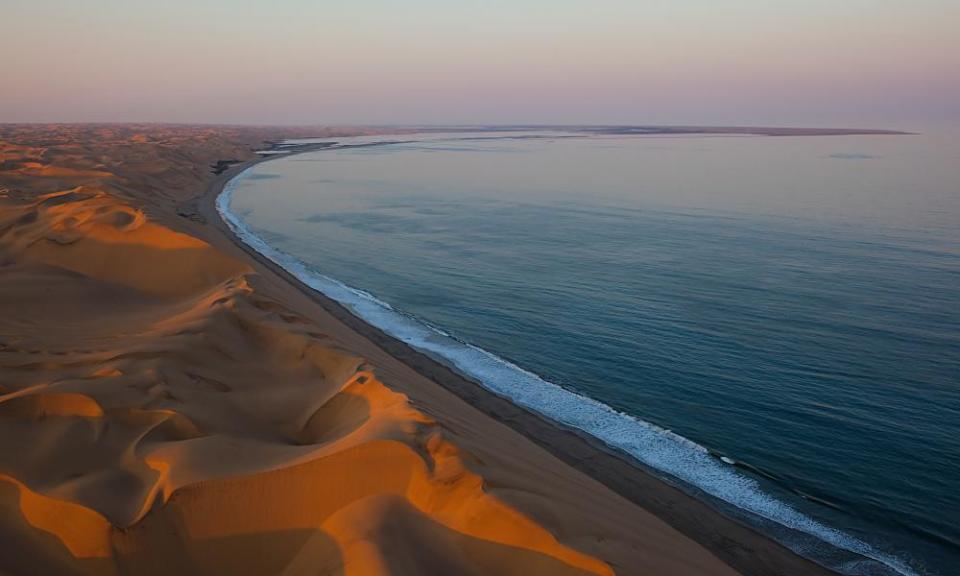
<point>338,417</point>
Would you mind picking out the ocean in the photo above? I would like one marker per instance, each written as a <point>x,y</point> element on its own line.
<point>772,323</point>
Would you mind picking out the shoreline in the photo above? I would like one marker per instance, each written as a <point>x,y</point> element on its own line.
<point>735,542</point>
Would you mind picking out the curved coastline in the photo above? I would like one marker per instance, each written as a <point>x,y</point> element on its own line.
<point>670,457</point>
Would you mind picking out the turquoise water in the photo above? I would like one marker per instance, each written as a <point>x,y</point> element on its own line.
<point>775,322</point>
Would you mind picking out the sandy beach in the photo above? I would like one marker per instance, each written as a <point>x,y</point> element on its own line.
<point>171,402</point>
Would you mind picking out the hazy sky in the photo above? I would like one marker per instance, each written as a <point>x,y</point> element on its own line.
<point>885,63</point>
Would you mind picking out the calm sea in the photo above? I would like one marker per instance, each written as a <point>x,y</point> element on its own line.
<point>773,322</point>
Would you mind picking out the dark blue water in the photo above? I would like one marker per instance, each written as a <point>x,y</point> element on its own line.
<point>792,304</point>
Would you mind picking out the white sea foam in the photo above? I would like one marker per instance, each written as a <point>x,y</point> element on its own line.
<point>656,447</point>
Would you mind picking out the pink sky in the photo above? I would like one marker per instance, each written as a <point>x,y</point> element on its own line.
<point>788,62</point>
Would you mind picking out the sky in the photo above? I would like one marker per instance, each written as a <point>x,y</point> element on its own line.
<point>851,63</point>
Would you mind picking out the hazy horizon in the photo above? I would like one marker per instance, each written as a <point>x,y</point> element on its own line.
<point>615,62</point>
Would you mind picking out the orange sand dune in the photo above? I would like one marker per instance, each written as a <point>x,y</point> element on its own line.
<point>163,440</point>
<point>204,416</point>
<point>38,169</point>
<point>87,231</point>
<point>169,405</point>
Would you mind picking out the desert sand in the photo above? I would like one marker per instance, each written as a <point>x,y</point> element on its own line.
<point>172,404</point>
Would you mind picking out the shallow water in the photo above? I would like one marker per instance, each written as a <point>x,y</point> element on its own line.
<point>791,304</point>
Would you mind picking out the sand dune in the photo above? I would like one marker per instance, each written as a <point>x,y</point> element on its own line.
<point>85,230</point>
<point>170,405</point>
<point>178,422</point>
